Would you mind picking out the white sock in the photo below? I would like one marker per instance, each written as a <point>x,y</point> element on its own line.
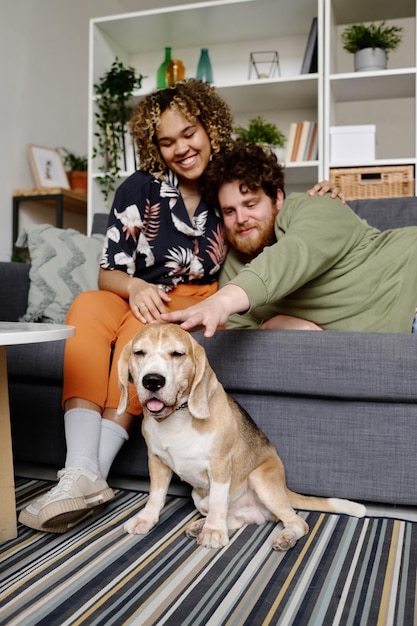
<point>112,438</point>
<point>82,433</point>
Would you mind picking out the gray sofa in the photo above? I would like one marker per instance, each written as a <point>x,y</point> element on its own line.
<point>341,408</point>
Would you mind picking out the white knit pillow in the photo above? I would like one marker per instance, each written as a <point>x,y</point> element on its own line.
<point>64,263</point>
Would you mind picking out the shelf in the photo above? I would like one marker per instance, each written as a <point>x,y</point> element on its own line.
<point>376,163</point>
<point>300,92</point>
<point>371,10</point>
<point>359,86</point>
<point>199,24</point>
<point>231,29</point>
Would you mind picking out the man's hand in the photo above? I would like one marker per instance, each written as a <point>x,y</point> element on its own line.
<point>212,312</point>
<point>323,187</point>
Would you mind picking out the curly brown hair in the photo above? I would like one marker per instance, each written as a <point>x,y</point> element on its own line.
<point>251,164</point>
<point>196,101</point>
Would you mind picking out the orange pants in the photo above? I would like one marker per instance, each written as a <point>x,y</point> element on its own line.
<point>104,323</point>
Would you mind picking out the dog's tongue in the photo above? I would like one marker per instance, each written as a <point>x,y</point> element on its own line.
<point>155,405</point>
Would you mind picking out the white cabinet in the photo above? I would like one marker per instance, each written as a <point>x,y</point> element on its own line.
<point>385,98</point>
<point>230,29</point>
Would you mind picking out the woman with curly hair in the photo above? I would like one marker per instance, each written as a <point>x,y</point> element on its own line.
<point>163,250</point>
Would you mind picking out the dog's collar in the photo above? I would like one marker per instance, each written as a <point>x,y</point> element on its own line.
<point>179,408</point>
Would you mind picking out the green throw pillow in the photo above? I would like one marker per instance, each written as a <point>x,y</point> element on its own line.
<point>64,263</point>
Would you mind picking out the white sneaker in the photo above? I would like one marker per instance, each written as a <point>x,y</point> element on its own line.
<point>30,517</point>
<point>78,490</point>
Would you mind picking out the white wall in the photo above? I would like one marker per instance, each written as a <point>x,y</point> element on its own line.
<point>44,83</point>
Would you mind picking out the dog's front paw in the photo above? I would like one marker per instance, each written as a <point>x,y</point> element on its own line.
<point>207,537</point>
<point>138,525</point>
<point>195,528</point>
<point>213,538</point>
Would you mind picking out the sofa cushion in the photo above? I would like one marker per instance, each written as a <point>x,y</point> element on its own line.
<point>349,366</point>
<point>387,213</point>
<point>64,263</point>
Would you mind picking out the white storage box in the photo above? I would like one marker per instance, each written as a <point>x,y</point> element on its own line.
<point>352,144</point>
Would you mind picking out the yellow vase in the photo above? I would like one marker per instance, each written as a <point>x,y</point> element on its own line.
<point>175,72</point>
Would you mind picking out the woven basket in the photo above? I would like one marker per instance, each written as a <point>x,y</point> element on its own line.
<point>358,183</point>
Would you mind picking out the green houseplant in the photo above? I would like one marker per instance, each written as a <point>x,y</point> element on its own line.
<point>73,162</point>
<point>373,41</point>
<point>76,167</point>
<point>263,132</point>
<point>114,91</point>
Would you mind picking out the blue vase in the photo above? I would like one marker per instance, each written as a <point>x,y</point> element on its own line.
<point>204,70</point>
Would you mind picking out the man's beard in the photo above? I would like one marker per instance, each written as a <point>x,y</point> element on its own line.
<point>249,248</point>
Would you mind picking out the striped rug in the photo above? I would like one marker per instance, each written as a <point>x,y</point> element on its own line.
<point>345,571</point>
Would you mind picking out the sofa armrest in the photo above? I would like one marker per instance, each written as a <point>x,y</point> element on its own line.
<point>100,221</point>
<point>14,290</point>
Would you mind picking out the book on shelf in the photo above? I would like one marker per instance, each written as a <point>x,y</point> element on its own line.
<point>303,141</point>
<point>308,142</point>
<point>290,141</point>
<point>310,65</point>
<point>312,153</point>
<point>298,130</point>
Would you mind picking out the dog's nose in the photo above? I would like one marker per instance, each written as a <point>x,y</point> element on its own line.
<point>153,382</point>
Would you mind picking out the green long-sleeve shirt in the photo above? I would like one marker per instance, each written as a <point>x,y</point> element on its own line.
<point>330,267</point>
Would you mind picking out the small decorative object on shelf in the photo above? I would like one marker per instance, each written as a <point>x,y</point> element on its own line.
<point>175,71</point>
<point>265,63</point>
<point>76,167</point>
<point>161,75</point>
<point>114,90</point>
<point>204,69</point>
<point>371,44</point>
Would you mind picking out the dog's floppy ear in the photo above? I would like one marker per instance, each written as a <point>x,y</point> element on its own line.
<point>203,386</point>
<point>124,378</point>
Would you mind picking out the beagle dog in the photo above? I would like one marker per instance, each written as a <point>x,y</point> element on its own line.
<point>194,428</point>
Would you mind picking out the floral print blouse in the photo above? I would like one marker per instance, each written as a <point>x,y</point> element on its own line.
<point>150,234</point>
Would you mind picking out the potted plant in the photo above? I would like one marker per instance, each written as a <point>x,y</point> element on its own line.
<point>76,167</point>
<point>371,44</point>
<point>113,90</point>
<point>262,132</point>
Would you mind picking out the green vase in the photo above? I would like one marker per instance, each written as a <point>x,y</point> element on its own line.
<point>161,76</point>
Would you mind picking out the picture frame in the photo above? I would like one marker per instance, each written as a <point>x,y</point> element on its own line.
<point>309,65</point>
<point>47,167</point>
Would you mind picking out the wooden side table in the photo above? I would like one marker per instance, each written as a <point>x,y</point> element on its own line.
<point>61,199</point>
<point>16,333</point>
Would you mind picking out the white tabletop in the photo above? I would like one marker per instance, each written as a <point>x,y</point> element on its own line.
<point>32,332</point>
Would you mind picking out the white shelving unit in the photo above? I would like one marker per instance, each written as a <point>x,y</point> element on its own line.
<point>385,98</point>
<point>230,29</point>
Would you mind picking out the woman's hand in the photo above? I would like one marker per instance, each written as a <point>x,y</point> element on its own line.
<point>323,187</point>
<point>212,312</point>
<point>288,322</point>
<point>147,301</point>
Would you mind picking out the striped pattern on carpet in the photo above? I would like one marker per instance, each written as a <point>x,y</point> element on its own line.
<point>345,571</point>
